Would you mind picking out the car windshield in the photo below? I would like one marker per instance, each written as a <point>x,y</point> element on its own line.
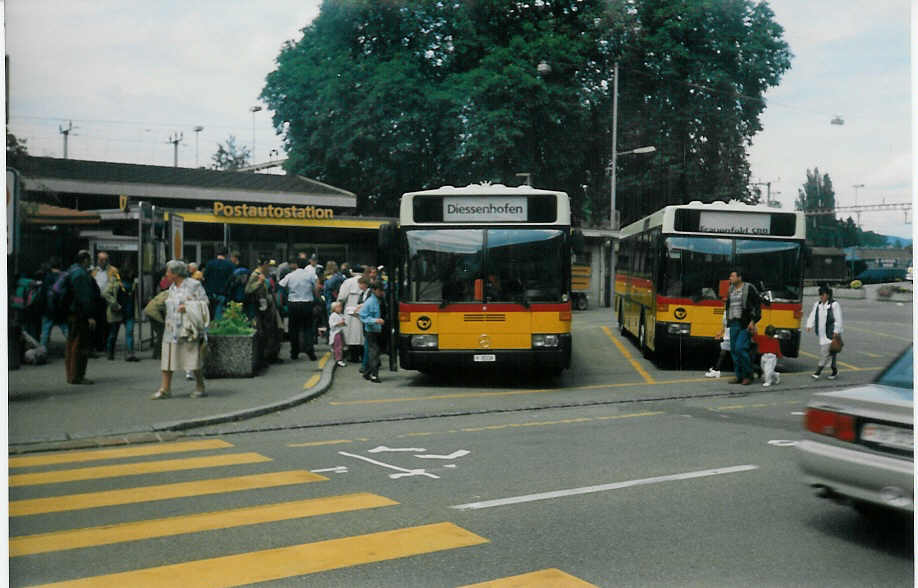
<point>899,374</point>
<point>695,266</point>
<point>455,265</point>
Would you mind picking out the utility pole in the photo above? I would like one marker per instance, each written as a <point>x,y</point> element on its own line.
<point>175,139</point>
<point>253,110</point>
<point>197,131</point>
<point>66,134</point>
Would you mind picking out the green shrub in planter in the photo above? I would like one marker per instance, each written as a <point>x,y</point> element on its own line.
<point>856,284</point>
<point>232,322</point>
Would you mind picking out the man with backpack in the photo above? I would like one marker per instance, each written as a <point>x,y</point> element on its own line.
<point>80,299</point>
<point>48,321</point>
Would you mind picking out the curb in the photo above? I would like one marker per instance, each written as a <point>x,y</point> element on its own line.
<point>170,430</point>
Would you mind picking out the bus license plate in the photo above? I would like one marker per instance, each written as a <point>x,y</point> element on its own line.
<point>485,357</point>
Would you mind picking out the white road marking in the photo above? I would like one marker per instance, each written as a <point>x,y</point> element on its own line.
<point>450,465</point>
<point>798,413</point>
<point>404,473</point>
<point>602,488</point>
<point>782,442</point>
<point>453,455</point>
<point>382,448</point>
<point>334,470</point>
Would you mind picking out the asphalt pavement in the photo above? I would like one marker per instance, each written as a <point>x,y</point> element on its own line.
<point>46,413</point>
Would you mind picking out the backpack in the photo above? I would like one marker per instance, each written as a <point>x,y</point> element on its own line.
<point>60,298</point>
<point>26,295</point>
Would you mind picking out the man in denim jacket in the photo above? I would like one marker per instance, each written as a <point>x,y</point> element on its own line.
<point>370,316</point>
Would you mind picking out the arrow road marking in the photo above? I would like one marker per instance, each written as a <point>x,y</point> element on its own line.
<point>404,473</point>
<point>334,470</point>
<point>382,448</point>
<point>453,455</point>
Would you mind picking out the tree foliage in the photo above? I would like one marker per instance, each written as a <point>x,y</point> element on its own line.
<point>229,156</point>
<point>386,97</point>
<point>15,148</point>
<point>824,229</point>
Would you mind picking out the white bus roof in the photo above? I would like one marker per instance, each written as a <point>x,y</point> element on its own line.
<point>665,216</point>
<point>484,189</point>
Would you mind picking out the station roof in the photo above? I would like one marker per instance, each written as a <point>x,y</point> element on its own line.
<point>49,174</point>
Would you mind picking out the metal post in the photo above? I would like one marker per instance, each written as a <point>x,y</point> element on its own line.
<point>613,217</point>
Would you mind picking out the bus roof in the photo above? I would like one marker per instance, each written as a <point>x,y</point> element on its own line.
<point>665,218</point>
<point>484,189</point>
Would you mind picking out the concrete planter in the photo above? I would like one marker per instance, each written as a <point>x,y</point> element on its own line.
<point>850,293</point>
<point>231,356</point>
<point>897,297</point>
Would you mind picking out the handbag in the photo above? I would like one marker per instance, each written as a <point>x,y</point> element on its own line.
<point>836,345</point>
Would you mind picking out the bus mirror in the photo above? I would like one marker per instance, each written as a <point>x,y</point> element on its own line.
<point>387,236</point>
<point>577,242</point>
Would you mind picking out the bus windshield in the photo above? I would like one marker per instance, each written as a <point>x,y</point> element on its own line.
<point>509,265</point>
<point>694,266</point>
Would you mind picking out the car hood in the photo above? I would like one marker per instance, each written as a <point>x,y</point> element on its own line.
<point>885,403</point>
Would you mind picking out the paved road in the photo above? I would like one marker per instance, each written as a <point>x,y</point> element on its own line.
<point>602,475</point>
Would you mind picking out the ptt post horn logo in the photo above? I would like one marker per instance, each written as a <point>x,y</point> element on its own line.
<point>423,322</point>
<point>680,313</point>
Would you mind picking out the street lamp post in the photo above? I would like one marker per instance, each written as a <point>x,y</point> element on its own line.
<point>253,110</point>
<point>197,131</point>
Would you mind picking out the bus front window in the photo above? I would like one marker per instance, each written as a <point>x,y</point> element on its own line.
<point>524,265</point>
<point>694,266</point>
<point>771,266</point>
<point>443,264</point>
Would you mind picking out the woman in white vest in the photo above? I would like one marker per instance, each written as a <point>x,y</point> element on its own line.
<point>350,295</point>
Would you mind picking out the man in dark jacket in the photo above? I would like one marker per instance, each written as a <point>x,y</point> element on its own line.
<point>217,276</point>
<point>743,309</point>
<point>84,306</point>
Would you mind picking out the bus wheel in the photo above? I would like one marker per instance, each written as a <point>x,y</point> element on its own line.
<point>582,303</point>
<point>621,320</point>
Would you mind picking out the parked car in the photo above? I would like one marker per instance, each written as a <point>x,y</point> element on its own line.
<point>857,446</point>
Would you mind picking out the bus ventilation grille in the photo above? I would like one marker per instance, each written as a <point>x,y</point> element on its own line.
<point>485,318</point>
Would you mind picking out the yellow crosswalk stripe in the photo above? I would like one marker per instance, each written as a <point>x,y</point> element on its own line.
<point>287,562</point>
<point>34,506</point>
<point>550,578</point>
<point>101,454</point>
<point>135,469</point>
<point>134,531</point>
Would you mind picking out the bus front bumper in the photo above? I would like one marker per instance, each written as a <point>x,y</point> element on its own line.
<point>554,359</point>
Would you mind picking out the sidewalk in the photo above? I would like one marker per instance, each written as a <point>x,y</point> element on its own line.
<point>45,412</point>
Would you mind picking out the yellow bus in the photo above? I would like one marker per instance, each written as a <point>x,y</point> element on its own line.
<point>484,276</point>
<point>672,270</point>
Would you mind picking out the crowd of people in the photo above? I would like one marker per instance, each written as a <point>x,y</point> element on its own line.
<point>297,300</point>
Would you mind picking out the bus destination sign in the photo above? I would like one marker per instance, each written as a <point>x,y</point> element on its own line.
<point>737,223</point>
<point>458,209</point>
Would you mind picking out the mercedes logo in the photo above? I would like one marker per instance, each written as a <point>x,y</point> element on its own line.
<point>484,341</point>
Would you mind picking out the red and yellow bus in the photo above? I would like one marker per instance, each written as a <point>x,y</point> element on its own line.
<point>673,266</point>
<point>484,278</point>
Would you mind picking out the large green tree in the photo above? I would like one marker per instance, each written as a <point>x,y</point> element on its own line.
<point>823,229</point>
<point>386,97</point>
<point>229,156</point>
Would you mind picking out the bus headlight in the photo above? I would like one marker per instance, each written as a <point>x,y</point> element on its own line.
<point>786,334</point>
<point>424,341</point>
<point>543,341</point>
<point>679,328</point>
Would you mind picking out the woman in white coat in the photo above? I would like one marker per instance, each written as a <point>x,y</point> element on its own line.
<point>350,295</point>
<point>826,318</point>
<point>187,318</point>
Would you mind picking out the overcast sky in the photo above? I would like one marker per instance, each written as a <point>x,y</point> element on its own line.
<point>130,73</point>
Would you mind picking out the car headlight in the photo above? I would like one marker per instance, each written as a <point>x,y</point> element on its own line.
<point>545,340</point>
<point>679,328</point>
<point>424,341</point>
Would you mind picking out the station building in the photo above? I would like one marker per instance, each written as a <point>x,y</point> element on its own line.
<point>69,204</point>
